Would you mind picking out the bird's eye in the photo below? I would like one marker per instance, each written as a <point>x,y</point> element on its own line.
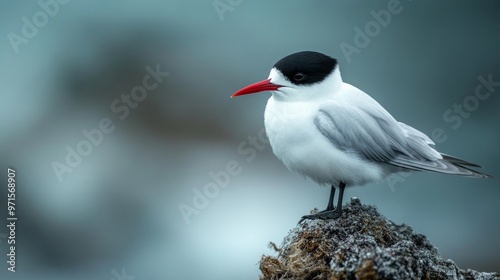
<point>298,77</point>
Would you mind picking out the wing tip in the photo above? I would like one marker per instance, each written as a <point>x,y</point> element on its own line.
<point>459,161</point>
<point>440,166</point>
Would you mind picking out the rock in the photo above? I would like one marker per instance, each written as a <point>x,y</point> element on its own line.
<point>361,244</point>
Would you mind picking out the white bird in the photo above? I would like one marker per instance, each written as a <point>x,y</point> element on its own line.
<point>336,134</point>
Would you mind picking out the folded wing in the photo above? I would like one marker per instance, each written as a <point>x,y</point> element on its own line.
<point>372,133</point>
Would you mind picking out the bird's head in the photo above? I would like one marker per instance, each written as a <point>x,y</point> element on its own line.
<point>300,76</point>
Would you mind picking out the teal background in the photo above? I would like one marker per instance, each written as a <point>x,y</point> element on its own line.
<point>120,207</point>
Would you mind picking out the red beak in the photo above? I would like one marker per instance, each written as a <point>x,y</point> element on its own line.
<point>264,85</point>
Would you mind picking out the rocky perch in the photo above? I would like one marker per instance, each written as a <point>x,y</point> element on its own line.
<point>361,244</point>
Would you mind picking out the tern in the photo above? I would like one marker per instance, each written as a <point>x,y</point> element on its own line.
<point>336,134</point>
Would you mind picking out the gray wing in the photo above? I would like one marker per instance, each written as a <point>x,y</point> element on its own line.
<point>372,133</point>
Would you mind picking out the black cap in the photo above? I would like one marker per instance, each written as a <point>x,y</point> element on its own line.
<point>305,68</point>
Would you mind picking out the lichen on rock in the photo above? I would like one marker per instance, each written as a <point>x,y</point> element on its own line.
<point>361,244</point>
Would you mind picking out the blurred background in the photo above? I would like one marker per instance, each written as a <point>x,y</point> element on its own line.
<point>130,207</point>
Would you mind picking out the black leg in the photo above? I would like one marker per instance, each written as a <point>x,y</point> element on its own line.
<point>330,201</point>
<point>341,197</point>
<point>330,205</point>
<point>331,212</point>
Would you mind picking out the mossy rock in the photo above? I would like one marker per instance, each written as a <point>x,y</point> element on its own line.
<point>361,244</point>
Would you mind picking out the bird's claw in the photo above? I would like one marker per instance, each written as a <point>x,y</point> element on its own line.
<point>323,215</point>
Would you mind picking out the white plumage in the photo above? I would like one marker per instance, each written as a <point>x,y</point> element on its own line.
<point>336,134</point>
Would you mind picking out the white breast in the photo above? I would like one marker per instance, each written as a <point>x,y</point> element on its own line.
<point>297,142</point>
